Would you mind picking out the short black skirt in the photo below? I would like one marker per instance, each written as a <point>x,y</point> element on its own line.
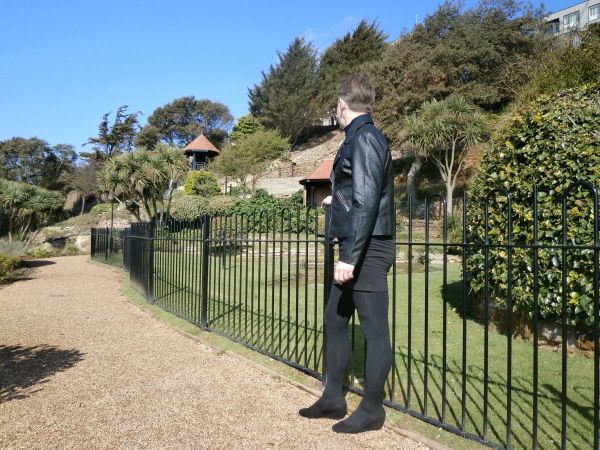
<point>370,274</point>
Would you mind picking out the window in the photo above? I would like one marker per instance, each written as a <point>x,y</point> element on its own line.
<point>553,26</point>
<point>594,12</point>
<point>570,21</point>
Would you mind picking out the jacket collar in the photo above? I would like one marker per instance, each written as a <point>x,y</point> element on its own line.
<point>356,123</point>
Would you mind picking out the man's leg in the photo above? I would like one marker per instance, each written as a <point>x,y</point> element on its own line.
<point>337,314</point>
<point>372,310</point>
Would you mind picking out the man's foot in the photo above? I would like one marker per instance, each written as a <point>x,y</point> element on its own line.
<point>360,421</point>
<point>322,408</point>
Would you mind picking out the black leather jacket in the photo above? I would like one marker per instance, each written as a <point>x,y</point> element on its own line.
<point>362,203</point>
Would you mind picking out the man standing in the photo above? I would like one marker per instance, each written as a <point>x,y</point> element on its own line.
<point>362,221</point>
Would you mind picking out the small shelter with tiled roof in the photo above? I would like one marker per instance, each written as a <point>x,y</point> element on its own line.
<point>317,185</point>
<point>200,151</point>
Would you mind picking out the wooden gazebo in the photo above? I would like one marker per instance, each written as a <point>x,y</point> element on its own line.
<point>200,151</point>
<point>317,185</point>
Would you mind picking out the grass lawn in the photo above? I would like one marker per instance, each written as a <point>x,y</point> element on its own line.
<point>273,300</point>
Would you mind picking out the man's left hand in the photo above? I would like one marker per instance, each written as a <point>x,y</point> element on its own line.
<point>343,272</point>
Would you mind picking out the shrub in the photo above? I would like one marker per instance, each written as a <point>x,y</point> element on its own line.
<point>188,207</point>
<point>553,143</point>
<point>43,252</point>
<point>101,208</point>
<point>8,266</point>
<point>201,182</point>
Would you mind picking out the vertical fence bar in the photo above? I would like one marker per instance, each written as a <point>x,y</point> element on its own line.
<point>596,324</point>
<point>486,319</point>
<point>563,428</point>
<point>205,265</point>
<point>409,301</point>
<point>536,315</point>
<point>445,310</point>
<point>327,284</point>
<point>151,233</point>
<point>426,324</point>
<point>509,330</point>
<point>463,395</point>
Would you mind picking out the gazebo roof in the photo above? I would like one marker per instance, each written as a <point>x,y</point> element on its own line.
<point>201,144</point>
<point>320,174</point>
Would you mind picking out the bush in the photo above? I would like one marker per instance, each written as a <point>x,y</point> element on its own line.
<point>101,208</point>
<point>201,182</point>
<point>43,252</point>
<point>8,266</point>
<point>552,143</point>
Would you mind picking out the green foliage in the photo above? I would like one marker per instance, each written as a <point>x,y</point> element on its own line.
<point>190,207</point>
<point>43,252</point>
<point>141,179</point>
<point>26,207</point>
<point>101,208</point>
<point>566,67</point>
<point>201,182</point>
<point>177,123</point>
<point>444,131</point>
<point>114,138</point>
<point>34,161</point>
<point>553,143</point>
<point>470,52</point>
<point>249,156</point>
<point>344,57</point>
<point>284,98</point>
<point>244,126</point>
<point>8,266</point>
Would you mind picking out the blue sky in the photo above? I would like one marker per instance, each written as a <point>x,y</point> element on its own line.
<point>64,63</point>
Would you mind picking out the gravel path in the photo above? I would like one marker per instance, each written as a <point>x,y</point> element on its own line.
<point>82,367</point>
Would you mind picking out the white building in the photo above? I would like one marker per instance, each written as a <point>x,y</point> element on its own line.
<point>574,18</point>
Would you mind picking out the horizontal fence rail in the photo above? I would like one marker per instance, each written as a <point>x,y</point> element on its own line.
<point>494,311</point>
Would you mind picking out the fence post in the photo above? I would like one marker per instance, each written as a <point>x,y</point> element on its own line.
<point>327,283</point>
<point>205,265</point>
<point>150,273</point>
<point>106,245</point>
<point>92,242</point>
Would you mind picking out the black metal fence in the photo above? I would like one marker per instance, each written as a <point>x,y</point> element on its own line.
<point>494,321</point>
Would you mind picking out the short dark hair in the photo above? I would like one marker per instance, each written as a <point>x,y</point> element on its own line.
<point>357,92</point>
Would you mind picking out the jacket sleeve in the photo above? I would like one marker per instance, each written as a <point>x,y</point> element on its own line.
<point>368,166</point>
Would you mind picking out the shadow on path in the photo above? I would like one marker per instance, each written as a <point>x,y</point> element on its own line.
<point>23,368</point>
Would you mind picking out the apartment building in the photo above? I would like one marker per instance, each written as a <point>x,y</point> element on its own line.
<point>574,18</point>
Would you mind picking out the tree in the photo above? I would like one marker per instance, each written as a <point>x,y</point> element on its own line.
<point>84,180</point>
<point>344,58</point>
<point>141,180</point>
<point>34,161</point>
<point>116,138</point>
<point>284,98</point>
<point>480,53</point>
<point>244,126</point>
<point>444,131</point>
<point>27,206</point>
<point>179,122</point>
<point>248,157</point>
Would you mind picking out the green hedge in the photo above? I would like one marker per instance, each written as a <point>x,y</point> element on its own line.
<point>8,266</point>
<point>553,143</point>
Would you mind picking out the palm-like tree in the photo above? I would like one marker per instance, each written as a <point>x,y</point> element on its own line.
<point>444,131</point>
<point>12,196</point>
<point>141,179</point>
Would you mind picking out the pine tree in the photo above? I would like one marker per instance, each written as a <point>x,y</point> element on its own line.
<point>284,99</point>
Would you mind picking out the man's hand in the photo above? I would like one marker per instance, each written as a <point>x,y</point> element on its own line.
<point>326,201</point>
<point>343,272</point>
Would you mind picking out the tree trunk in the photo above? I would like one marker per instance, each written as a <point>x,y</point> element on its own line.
<point>82,204</point>
<point>170,198</point>
<point>449,196</point>
<point>411,178</point>
<point>10,222</point>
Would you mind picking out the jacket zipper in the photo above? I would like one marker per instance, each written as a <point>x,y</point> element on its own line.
<point>342,200</point>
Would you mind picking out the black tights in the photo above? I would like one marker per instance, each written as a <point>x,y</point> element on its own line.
<point>372,310</point>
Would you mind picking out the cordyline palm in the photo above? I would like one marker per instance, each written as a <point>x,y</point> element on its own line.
<point>38,208</point>
<point>12,196</point>
<point>141,178</point>
<point>444,131</point>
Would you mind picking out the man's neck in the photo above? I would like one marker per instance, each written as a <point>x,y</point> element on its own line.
<point>351,116</point>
